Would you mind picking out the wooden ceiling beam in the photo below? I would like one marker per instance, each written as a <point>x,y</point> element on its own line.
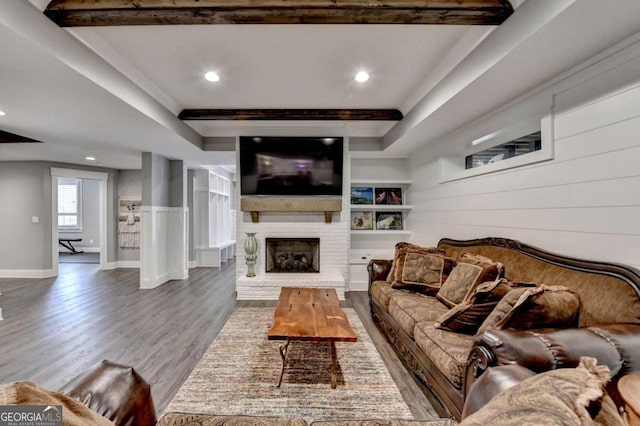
<point>79,13</point>
<point>7,137</point>
<point>292,114</point>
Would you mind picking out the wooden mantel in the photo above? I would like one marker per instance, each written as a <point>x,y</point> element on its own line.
<point>255,205</point>
<point>79,13</point>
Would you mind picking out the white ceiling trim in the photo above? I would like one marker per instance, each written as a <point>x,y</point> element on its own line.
<point>530,18</point>
<point>27,21</point>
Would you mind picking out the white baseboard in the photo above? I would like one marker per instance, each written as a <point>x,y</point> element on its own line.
<point>122,264</point>
<point>193,264</point>
<point>110,265</point>
<point>27,273</point>
<point>358,286</point>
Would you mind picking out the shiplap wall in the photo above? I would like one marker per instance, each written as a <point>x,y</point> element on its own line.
<point>584,203</point>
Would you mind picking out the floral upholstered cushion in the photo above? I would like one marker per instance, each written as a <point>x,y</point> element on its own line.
<point>470,314</point>
<point>567,396</point>
<point>440,422</point>
<point>409,308</point>
<point>401,250</point>
<point>470,271</point>
<point>538,307</point>
<point>74,412</point>
<point>423,272</point>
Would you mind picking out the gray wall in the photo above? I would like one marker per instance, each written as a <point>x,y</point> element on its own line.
<point>90,232</point>
<point>190,189</point>
<point>155,180</point>
<point>27,188</point>
<point>129,184</point>
<point>177,184</point>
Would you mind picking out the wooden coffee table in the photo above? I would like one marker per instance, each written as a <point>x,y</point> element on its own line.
<point>310,314</point>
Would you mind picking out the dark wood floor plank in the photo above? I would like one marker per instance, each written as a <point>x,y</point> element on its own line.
<point>55,328</point>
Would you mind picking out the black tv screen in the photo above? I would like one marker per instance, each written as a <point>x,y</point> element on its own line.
<point>291,166</point>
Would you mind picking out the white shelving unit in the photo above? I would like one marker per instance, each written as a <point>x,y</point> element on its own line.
<point>370,244</point>
<point>382,183</point>
<point>214,241</point>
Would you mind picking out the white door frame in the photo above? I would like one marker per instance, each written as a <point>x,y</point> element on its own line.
<point>78,174</point>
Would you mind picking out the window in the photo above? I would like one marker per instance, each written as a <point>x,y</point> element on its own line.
<point>69,204</point>
<point>519,146</point>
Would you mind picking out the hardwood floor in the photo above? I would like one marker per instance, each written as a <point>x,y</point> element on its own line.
<point>55,328</point>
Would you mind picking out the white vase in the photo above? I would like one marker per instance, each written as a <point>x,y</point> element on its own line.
<point>250,249</point>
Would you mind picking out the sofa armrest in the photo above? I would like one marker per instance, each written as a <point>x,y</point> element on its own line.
<point>116,392</point>
<point>378,270</point>
<point>491,383</point>
<point>614,345</point>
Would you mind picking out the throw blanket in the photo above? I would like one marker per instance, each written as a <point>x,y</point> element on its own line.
<point>74,412</point>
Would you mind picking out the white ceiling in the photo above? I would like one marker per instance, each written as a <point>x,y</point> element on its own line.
<point>114,92</point>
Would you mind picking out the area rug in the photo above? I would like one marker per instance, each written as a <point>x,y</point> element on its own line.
<point>238,374</point>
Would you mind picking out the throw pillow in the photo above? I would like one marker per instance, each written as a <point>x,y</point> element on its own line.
<point>539,307</point>
<point>567,396</point>
<point>74,412</point>
<point>468,316</point>
<point>470,271</point>
<point>402,249</point>
<point>423,273</point>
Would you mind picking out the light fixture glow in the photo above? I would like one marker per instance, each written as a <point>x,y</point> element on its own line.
<point>212,76</point>
<point>2,113</point>
<point>483,139</point>
<point>89,158</point>
<point>362,76</point>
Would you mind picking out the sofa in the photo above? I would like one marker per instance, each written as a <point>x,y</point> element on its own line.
<point>446,363</point>
<point>114,394</point>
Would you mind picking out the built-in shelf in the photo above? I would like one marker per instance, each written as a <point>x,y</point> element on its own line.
<point>380,232</point>
<point>380,182</point>
<point>385,207</point>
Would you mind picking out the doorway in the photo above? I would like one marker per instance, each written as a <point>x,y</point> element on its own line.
<point>67,222</point>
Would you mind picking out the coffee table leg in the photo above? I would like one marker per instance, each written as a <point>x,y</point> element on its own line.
<point>283,354</point>
<point>334,366</point>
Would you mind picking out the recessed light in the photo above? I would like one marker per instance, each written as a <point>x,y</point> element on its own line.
<point>2,113</point>
<point>212,76</point>
<point>362,76</point>
<point>89,158</point>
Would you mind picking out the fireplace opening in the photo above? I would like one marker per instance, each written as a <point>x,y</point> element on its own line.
<point>299,255</point>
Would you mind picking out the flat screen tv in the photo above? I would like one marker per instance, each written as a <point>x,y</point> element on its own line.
<point>291,166</point>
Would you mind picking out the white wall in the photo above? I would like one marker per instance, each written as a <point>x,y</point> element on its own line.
<point>583,203</point>
<point>90,232</point>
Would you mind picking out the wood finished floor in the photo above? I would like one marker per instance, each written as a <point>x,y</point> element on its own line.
<point>55,328</point>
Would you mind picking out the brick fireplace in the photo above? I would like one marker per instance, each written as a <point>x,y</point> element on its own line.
<point>333,250</point>
<point>292,255</point>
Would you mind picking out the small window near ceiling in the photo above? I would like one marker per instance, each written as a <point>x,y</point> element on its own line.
<point>69,204</point>
<point>514,148</point>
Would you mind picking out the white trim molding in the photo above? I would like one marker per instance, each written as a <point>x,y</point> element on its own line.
<point>163,245</point>
<point>103,177</point>
<point>27,273</point>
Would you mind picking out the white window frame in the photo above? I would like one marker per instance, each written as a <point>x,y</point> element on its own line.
<point>453,169</point>
<point>78,214</point>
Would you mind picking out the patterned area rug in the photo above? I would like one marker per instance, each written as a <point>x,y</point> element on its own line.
<point>238,375</point>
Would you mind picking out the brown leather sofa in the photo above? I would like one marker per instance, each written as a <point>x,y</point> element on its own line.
<point>116,392</point>
<point>609,322</point>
